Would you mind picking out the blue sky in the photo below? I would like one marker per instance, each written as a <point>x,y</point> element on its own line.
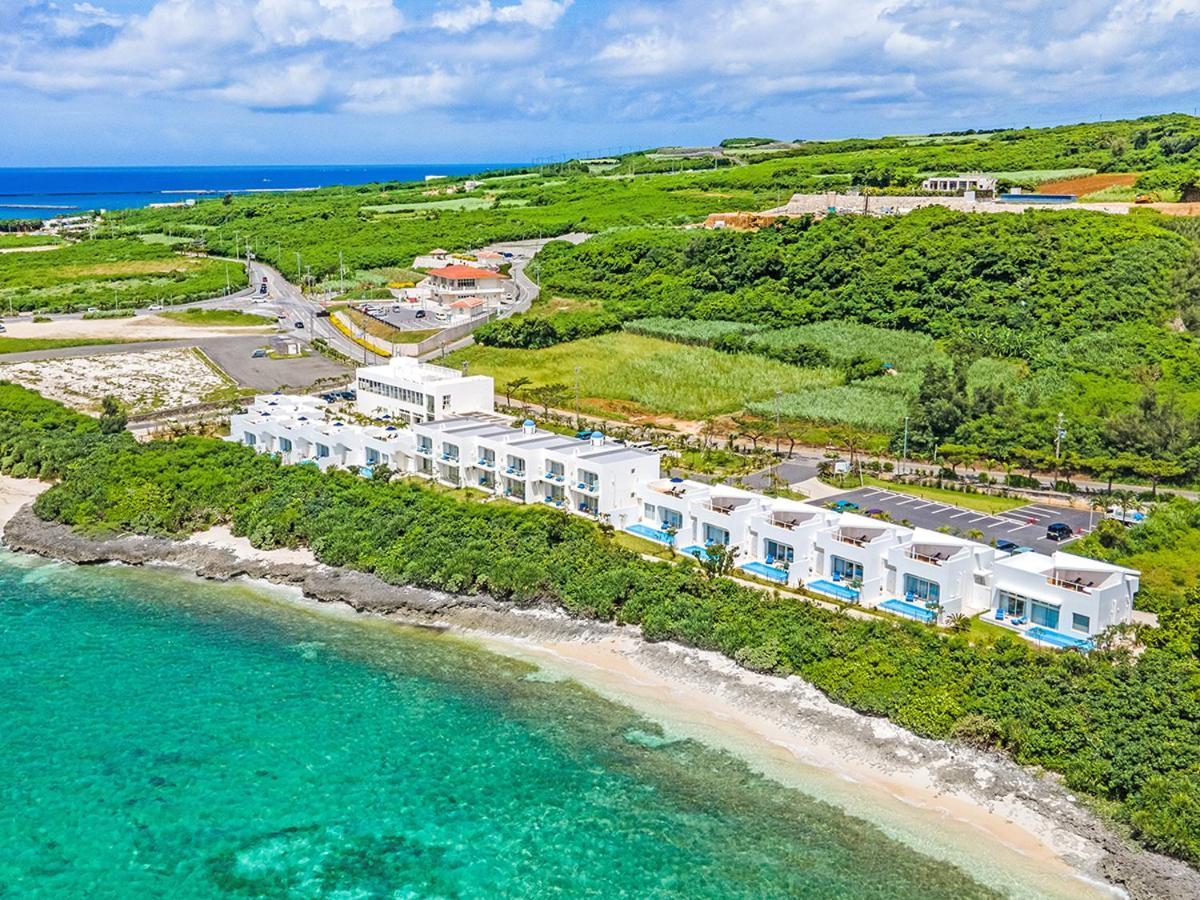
<point>111,82</point>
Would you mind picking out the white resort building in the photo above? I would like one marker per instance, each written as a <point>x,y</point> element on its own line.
<point>435,423</point>
<point>413,391</point>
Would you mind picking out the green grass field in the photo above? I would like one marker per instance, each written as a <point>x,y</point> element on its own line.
<point>621,375</point>
<point>23,345</point>
<point>454,203</point>
<point>215,317</point>
<point>8,241</point>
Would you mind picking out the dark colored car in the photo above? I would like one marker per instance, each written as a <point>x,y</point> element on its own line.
<point>875,511</point>
<point>420,314</point>
<point>1059,531</point>
<point>1007,546</point>
<point>299,324</point>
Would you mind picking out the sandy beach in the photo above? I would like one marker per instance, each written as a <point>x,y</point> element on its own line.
<point>1005,824</point>
<point>15,493</point>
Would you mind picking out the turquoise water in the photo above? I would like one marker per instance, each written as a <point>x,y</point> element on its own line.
<point>167,737</point>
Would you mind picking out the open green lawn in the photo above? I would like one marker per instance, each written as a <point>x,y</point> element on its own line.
<point>215,317</point>
<point>110,272</point>
<point>453,203</point>
<point>22,345</point>
<point>623,374</point>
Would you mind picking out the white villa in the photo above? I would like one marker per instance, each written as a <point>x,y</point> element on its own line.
<point>413,391</point>
<point>1061,600</point>
<point>435,423</point>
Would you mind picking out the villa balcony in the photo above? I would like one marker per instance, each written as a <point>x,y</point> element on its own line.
<point>424,451</point>
<point>1077,584</point>
<point>925,558</point>
<point>485,463</point>
<point>552,477</point>
<point>854,540</point>
<point>587,488</point>
<point>513,472</point>
<point>447,458</point>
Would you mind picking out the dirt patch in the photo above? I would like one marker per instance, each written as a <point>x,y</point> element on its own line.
<point>1088,184</point>
<point>133,267</point>
<point>1175,209</point>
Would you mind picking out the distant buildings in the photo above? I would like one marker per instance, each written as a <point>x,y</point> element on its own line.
<point>458,282</point>
<point>960,184</point>
<point>436,423</point>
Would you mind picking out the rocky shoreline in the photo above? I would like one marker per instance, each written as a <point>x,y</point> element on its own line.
<point>1038,804</point>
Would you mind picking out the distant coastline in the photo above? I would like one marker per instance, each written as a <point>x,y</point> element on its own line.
<point>30,193</point>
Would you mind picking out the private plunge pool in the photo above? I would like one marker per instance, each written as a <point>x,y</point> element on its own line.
<point>911,610</point>
<point>762,570</point>
<point>650,534</point>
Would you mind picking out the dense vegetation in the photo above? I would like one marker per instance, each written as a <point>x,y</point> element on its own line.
<point>108,274</point>
<point>995,324</point>
<point>1123,727</point>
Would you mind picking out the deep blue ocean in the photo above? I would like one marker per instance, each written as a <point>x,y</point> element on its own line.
<point>44,193</point>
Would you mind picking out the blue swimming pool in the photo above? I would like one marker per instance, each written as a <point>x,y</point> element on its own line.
<point>912,610</point>
<point>695,550</point>
<point>652,534</point>
<point>762,570</point>
<point>833,589</point>
<point>1057,639</point>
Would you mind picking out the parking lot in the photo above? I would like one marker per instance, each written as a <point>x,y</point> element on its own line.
<point>404,315</point>
<point>1025,525</point>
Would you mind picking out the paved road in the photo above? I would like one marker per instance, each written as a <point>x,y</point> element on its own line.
<point>1025,525</point>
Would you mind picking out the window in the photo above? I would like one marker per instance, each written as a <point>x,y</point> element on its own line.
<point>446,401</point>
<point>322,451</point>
<point>285,445</point>
<point>922,589</point>
<point>671,518</point>
<point>1080,622</point>
<point>845,570</point>
<point>1012,604</point>
<point>648,512</point>
<point>251,440</point>
<point>779,552</point>
<point>1042,614</point>
<point>715,535</point>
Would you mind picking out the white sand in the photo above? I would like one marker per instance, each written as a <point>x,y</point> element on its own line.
<point>1005,839</point>
<point>221,537</point>
<point>149,380</point>
<point>15,493</point>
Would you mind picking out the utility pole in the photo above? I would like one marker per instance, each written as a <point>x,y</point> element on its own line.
<point>299,274</point>
<point>1059,434</point>
<point>904,456</point>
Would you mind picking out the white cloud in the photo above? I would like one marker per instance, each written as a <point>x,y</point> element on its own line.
<point>299,22</point>
<point>405,93</point>
<point>540,14</point>
<point>302,84</point>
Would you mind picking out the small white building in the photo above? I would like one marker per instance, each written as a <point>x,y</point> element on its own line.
<point>413,391</point>
<point>960,184</point>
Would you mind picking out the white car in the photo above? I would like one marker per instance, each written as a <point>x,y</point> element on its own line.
<point>154,307</point>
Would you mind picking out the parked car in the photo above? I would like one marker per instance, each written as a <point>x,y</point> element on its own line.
<point>420,314</point>
<point>1007,546</point>
<point>92,309</point>
<point>845,506</point>
<point>299,324</point>
<point>2,328</point>
<point>154,307</point>
<point>875,511</point>
<point>258,353</point>
<point>1058,531</point>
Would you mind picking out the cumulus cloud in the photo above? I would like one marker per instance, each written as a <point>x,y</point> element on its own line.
<point>539,14</point>
<point>643,61</point>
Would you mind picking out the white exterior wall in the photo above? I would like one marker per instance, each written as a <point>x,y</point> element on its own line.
<point>419,392</point>
<point>971,577</point>
<point>1031,575</point>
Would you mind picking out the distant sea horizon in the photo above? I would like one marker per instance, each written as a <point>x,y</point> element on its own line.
<point>40,193</point>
